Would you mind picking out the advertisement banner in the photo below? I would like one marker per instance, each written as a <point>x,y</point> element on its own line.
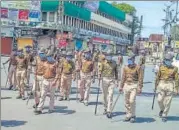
<point>23,14</point>
<point>7,31</point>
<point>4,13</point>
<point>13,14</point>
<point>62,43</point>
<point>79,44</point>
<point>92,5</point>
<point>34,16</point>
<point>31,5</point>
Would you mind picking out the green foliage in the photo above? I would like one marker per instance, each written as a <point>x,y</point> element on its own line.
<point>124,7</point>
<point>175,32</point>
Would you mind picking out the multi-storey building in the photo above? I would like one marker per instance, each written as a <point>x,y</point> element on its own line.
<point>107,28</point>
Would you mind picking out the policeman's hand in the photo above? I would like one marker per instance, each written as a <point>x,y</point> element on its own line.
<point>139,90</point>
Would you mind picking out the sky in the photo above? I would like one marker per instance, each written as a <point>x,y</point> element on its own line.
<point>153,14</point>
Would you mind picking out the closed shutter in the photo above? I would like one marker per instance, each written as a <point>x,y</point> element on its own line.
<point>6,46</point>
<point>22,42</point>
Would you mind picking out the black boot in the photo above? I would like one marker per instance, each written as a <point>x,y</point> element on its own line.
<point>81,100</point>
<point>133,119</point>
<point>160,114</point>
<point>60,99</point>
<point>35,105</point>
<point>10,87</point>
<point>109,115</point>
<point>105,112</point>
<point>23,98</point>
<point>37,112</point>
<point>19,97</point>
<point>164,119</point>
<point>127,119</point>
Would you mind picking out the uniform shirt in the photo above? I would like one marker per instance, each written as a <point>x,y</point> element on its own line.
<point>68,67</point>
<point>40,66</point>
<point>108,69</point>
<point>95,57</point>
<point>13,60</point>
<point>78,58</point>
<point>101,57</point>
<point>131,75</point>
<point>87,66</point>
<point>29,57</point>
<point>21,63</point>
<point>49,70</point>
<point>167,74</point>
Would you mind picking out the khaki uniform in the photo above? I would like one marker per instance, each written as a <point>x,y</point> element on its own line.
<point>167,83</point>
<point>59,71</point>
<point>108,72</point>
<point>119,66</point>
<point>95,60</point>
<point>21,74</point>
<point>12,71</point>
<point>66,78</point>
<point>132,79</point>
<point>49,77</point>
<point>85,81</point>
<point>28,56</point>
<point>38,80</point>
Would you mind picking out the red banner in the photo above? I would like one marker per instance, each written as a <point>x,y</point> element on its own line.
<point>64,36</point>
<point>62,43</point>
<point>23,14</point>
<point>4,13</point>
<point>100,40</point>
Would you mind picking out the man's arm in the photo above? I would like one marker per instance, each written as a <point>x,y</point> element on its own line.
<point>123,78</point>
<point>140,77</point>
<point>176,80</point>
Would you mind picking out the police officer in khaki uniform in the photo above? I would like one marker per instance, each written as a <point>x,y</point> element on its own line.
<point>29,58</point>
<point>96,60</point>
<point>87,74</point>
<point>12,69</point>
<point>68,68</point>
<point>108,72</point>
<point>50,78</point>
<point>38,80</point>
<point>167,84</point>
<point>21,73</point>
<point>142,61</point>
<point>131,83</point>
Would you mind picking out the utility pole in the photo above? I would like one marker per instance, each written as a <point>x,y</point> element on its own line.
<point>140,27</point>
<point>60,17</point>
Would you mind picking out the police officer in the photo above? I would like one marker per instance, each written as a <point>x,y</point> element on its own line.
<point>95,60</point>
<point>86,75</point>
<point>119,64</point>
<point>167,84</point>
<point>40,60</point>
<point>29,58</point>
<point>12,69</point>
<point>22,64</point>
<point>108,72</point>
<point>142,61</point>
<point>50,78</point>
<point>68,68</point>
<point>131,83</point>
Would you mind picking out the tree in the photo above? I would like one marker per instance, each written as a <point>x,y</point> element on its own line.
<point>124,7</point>
<point>175,32</point>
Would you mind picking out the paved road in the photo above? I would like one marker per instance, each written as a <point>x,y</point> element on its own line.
<point>70,115</point>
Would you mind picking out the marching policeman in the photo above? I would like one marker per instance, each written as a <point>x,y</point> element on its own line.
<point>108,72</point>
<point>12,69</point>
<point>22,64</point>
<point>142,61</point>
<point>131,83</point>
<point>167,84</point>
<point>87,67</point>
<point>68,68</point>
<point>40,60</point>
<point>50,78</point>
<point>29,58</point>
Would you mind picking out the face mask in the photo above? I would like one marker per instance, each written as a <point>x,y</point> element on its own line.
<point>87,56</point>
<point>130,62</point>
<point>109,58</point>
<point>42,56</point>
<point>68,58</point>
<point>168,63</point>
<point>50,59</point>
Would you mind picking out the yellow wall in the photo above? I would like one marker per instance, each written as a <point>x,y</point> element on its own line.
<point>22,42</point>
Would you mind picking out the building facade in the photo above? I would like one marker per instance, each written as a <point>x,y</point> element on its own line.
<point>105,28</point>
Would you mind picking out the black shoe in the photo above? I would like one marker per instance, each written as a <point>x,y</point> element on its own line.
<point>60,99</point>
<point>10,87</point>
<point>86,103</point>
<point>160,114</point>
<point>50,111</point>
<point>164,119</point>
<point>127,119</point>
<point>81,100</point>
<point>35,105</point>
<point>37,112</point>
<point>105,112</point>
<point>109,115</point>
<point>23,98</point>
<point>132,120</point>
<point>19,97</point>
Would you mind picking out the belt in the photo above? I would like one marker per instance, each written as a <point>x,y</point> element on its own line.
<point>167,81</point>
<point>67,73</point>
<point>50,78</point>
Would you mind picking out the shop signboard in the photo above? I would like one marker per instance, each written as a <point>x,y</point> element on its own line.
<point>4,13</point>
<point>7,31</point>
<point>23,14</point>
<point>100,40</point>
<point>27,32</point>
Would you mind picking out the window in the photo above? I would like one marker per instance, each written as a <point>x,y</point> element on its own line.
<point>51,16</point>
<point>44,16</point>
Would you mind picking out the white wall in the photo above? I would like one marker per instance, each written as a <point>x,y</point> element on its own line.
<point>129,18</point>
<point>97,19</point>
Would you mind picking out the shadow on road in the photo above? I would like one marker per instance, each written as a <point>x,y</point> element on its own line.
<point>173,118</point>
<point>114,114</point>
<point>94,103</point>
<point>12,123</point>
<point>61,109</point>
<point>93,90</point>
<point>6,98</point>
<point>144,120</point>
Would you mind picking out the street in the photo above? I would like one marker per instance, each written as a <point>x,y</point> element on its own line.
<point>71,115</point>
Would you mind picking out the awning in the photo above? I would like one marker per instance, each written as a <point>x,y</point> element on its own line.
<point>49,6</point>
